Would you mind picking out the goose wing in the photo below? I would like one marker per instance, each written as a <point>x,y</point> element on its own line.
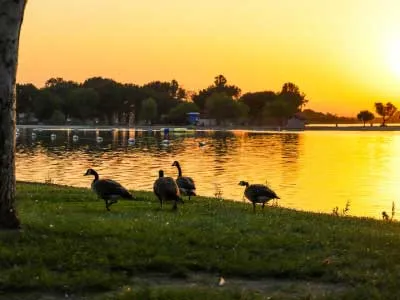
<point>186,183</point>
<point>260,192</point>
<point>108,188</point>
<point>166,187</point>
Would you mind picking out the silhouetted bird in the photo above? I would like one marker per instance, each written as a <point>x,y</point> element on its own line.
<point>258,193</point>
<point>186,184</point>
<point>108,190</point>
<point>166,189</point>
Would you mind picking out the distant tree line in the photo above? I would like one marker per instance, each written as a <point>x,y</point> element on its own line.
<point>386,111</point>
<point>109,102</point>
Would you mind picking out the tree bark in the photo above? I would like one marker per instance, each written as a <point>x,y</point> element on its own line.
<point>11,16</point>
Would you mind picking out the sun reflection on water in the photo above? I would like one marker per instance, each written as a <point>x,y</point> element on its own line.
<point>314,171</point>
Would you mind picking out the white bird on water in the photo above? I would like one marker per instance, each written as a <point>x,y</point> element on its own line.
<point>75,138</point>
<point>53,136</point>
<point>99,139</point>
<point>165,142</point>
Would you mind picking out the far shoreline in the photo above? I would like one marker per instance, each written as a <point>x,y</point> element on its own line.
<point>311,127</point>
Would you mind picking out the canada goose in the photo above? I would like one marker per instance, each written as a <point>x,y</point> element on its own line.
<point>107,189</point>
<point>258,193</point>
<point>75,138</point>
<point>186,184</point>
<point>166,189</point>
<point>99,139</point>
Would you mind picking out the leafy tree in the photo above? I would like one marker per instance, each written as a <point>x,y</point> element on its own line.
<point>57,118</point>
<point>132,96</point>
<point>295,99</point>
<point>222,107</point>
<point>279,109</point>
<point>148,111</point>
<point>386,111</point>
<point>26,93</point>
<point>45,104</point>
<point>219,86</point>
<point>242,111</point>
<point>60,87</point>
<point>83,103</point>
<point>166,94</point>
<point>286,104</point>
<point>110,96</point>
<point>178,114</point>
<point>256,102</point>
<point>365,116</point>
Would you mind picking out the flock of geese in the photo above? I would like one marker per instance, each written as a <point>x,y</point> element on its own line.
<point>75,138</point>
<point>170,189</point>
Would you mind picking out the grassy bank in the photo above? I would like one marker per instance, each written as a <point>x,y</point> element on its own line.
<point>70,244</point>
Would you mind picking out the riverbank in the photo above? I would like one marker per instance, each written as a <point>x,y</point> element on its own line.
<point>311,127</point>
<point>71,247</point>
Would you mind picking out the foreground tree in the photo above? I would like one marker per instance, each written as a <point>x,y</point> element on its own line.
<point>365,116</point>
<point>386,111</point>
<point>11,16</point>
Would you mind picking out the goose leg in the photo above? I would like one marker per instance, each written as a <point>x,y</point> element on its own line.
<point>175,207</point>
<point>159,198</point>
<point>254,207</point>
<point>112,202</point>
<point>107,204</point>
<point>263,205</point>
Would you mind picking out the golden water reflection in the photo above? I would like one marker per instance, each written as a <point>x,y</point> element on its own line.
<point>314,171</point>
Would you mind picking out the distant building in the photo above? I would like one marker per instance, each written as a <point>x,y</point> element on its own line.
<point>296,122</point>
<point>193,117</point>
<point>207,122</point>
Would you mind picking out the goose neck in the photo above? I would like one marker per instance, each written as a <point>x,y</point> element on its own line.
<point>96,176</point>
<point>179,170</point>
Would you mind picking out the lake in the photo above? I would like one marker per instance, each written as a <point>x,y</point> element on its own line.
<point>309,170</point>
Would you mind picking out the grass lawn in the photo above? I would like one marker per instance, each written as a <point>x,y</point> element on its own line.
<point>71,246</point>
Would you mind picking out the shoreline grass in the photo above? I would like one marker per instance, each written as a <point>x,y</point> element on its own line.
<point>70,244</point>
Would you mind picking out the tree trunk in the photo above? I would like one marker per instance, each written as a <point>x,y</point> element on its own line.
<point>11,15</point>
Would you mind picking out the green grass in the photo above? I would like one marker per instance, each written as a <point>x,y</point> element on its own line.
<point>71,244</point>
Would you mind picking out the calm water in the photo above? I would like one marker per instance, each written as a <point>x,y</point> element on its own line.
<point>311,170</point>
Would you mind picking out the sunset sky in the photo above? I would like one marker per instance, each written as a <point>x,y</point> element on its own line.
<point>344,54</point>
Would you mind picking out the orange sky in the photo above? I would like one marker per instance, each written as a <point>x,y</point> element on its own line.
<point>344,54</point>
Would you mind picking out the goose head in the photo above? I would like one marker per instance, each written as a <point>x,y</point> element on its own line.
<point>161,173</point>
<point>90,172</point>
<point>244,183</point>
<point>175,163</point>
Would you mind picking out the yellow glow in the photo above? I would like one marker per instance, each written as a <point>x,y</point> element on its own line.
<point>394,56</point>
<point>337,52</point>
